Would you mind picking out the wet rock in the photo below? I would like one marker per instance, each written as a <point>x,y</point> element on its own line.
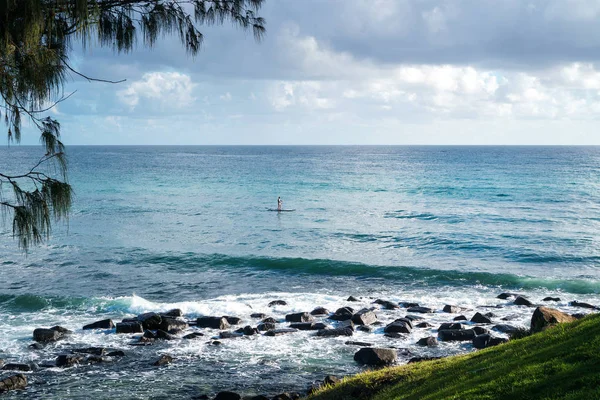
<point>44,335</point>
<point>16,367</point>
<point>230,335</point>
<point>36,346</point>
<point>505,328</point>
<point>450,335</point>
<point>361,344</point>
<point>104,324</point>
<point>375,356</point>
<point>304,326</point>
<point>452,309</point>
<point>269,320</point>
<point>388,305</point>
<point>286,396</point>
<point>479,330</point>
<point>150,320</point>
<point>346,324</point>
<point>68,360</point>
<point>460,318</point>
<point>174,313</point>
<point>413,317</point>
<point>522,301</point>
<point>576,303</point>
<point>394,335</point>
<point>226,395</point>
<point>299,317</point>
<point>258,315</point>
<point>421,310</point>
<point>397,327</point>
<point>212,322</point>
<point>129,327</point>
<point>342,314</point>
<point>98,351</point>
<point>479,318</point>
<point>279,332</point>
<point>116,353</point>
<point>346,331</point>
<point>405,304</point>
<point>93,359</point>
<point>578,315</point>
<point>545,317</point>
<point>163,360</point>
<point>430,341</point>
<point>193,335</point>
<point>364,317</point>
<point>505,296</point>
<point>257,397</point>
<point>169,324</point>
<point>486,340</point>
<point>148,334</point>
<point>406,321</point>
<point>551,299</point>
<point>450,325</point>
<point>160,334</point>
<point>249,331</point>
<point>352,298</point>
<point>232,320</point>
<point>421,359</point>
<point>424,325</point>
<point>331,380</point>
<point>320,311</point>
<point>14,382</point>
<point>267,326</point>
<point>364,328</point>
<point>277,303</point>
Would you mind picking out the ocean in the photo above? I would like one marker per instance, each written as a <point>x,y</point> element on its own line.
<point>160,227</point>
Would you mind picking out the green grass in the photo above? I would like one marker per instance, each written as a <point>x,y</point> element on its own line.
<point>561,363</point>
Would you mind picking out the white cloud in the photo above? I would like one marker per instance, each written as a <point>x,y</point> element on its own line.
<point>169,90</point>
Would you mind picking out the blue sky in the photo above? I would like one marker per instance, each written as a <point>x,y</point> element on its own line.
<point>355,72</point>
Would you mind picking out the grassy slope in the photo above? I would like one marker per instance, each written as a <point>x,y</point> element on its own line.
<point>562,362</point>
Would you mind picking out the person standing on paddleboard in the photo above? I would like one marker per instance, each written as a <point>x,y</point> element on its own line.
<point>279,204</point>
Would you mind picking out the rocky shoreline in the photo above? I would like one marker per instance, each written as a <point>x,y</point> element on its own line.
<point>483,329</point>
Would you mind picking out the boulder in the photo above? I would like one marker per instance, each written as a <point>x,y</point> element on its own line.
<point>62,330</point>
<point>505,296</point>
<point>424,325</point>
<point>460,318</point>
<point>320,311</point>
<point>249,331</point>
<point>331,380</point>
<point>150,320</point>
<point>212,322</point>
<point>163,360</point>
<point>346,324</point>
<point>279,332</point>
<point>342,314</point>
<point>450,325</point>
<point>397,327</point>
<point>44,335</point>
<point>129,327</point>
<point>269,320</point>
<point>173,313</point>
<point>277,303</point>
<point>104,324</point>
<point>405,304</point>
<point>305,326</point>
<point>522,301</point>
<point>413,317</point>
<point>480,330</point>
<point>576,303</point>
<point>14,382</point>
<point>544,317</point>
<point>16,367</point>
<point>361,344</point>
<point>364,328</point>
<point>299,317</point>
<point>258,315</point>
<point>428,341</point>
<point>375,356</point>
<point>364,317</point>
<point>450,335</point>
<point>406,321</point>
<point>229,335</point>
<point>97,351</point>
<point>486,340</point>
<point>347,331</point>
<point>479,318</point>
<point>421,310</point>
<point>505,328</point>
<point>193,335</point>
<point>266,326</point>
<point>226,395</point>
<point>232,320</point>
<point>352,298</point>
<point>452,309</point>
<point>388,305</point>
<point>551,299</point>
<point>394,335</point>
<point>68,360</point>
<point>169,324</point>
<point>160,334</point>
<point>286,396</point>
<point>116,353</point>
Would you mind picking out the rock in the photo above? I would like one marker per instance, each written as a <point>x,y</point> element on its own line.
<point>16,367</point>
<point>163,360</point>
<point>481,319</point>
<point>212,322</point>
<point>14,382</point>
<point>364,328</point>
<point>346,331</point>
<point>428,341</point>
<point>299,317</point>
<point>576,303</point>
<point>505,328</point>
<point>364,317</point>
<point>150,320</point>
<point>361,344</point>
<point>408,305</point>
<point>174,313</point>
<point>320,311</point>
<point>230,335</point>
<point>388,305</point>
<point>397,327</point>
<point>129,327</point>
<point>104,324</point>
<point>279,332</point>
<point>286,396</point>
<point>450,325</point>
<point>578,315</point>
<point>421,310</point>
<point>522,301</point>
<point>267,326</point>
<point>479,330</point>
<point>93,359</point>
<point>346,324</point>
<point>456,335</point>
<point>460,318</point>
<point>342,314</point>
<point>116,353</point>
<point>68,360</point>
<point>303,326</point>
<point>420,359</point>
<point>269,320</point>
<point>331,380</point>
<point>544,317</point>
<point>249,331</point>
<point>193,335</point>
<point>258,315</point>
<point>47,335</point>
<point>424,325</point>
<point>375,356</point>
<point>36,346</point>
<point>413,317</point>
<point>232,320</point>
<point>486,340</point>
<point>258,397</point>
<point>98,351</point>
<point>169,324</point>
<point>62,330</point>
<point>352,298</point>
<point>277,303</point>
<point>225,395</point>
<point>160,334</point>
<point>394,335</point>
<point>505,296</point>
<point>406,321</point>
<point>551,299</point>
<point>452,309</point>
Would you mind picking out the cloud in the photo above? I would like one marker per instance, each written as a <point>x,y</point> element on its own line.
<point>159,91</point>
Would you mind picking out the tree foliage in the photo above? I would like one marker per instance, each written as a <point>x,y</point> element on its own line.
<point>36,40</point>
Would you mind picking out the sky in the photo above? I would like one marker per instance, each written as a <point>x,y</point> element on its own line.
<point>354,72</point>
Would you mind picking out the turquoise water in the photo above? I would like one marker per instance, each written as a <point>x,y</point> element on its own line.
<point>154,227</point>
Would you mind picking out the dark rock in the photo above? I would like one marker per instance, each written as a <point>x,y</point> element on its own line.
<point>486,340</point>
<point>424,325</point>
<point>352,298</point>
<point>320,311</point>
<point>148,334</point>
<point>62,330</point>
<point>544,317</point>
<point>225,395</point>
<point>551,299</point>
<point>267,326</point>
<point>479,318</point>
<point>364,328</point>
<point>394,335</point>
<point>505,328</point>
<point>257,397</point>
<point>490,314</point>
<point>68,360</point>
<point>174,313</point>
<point>116,353</point>
<point>249,331</point>
<point>452,309</point>
<point>375,356</point>
<point>287,396</point>
<point>421,310</point>
<point>16,367</point>
<point>361,344</point>
<point>232,320</point>
<point>421,359</point>
<point>278,332</point>
<point>47,335</point>
<point>450,325</point>
<point>406,321</point>
<point>408,305</point>
<point>397,327</point>
<point>215,343</point>
<point>428,341</point>
<point>169,324</point>
<point>160,334</point>
<point>460,318</point>
<point>522,301</point>
<point>578,315</point>
<point>505,296</point>
<point>258,315</point>
<point>193,335</point>
<point>277,303</point>
<point>98,351</point>
<point>346,324</point>
<point>576,303</point>
<point>15,382</point>
<point>212,322</point>
<point>36,346</point>
<point>347,331</point>
<point>129,327</point>
<point>150,320</point>
<point>479,330</point>
<point>331,380</point>
<point>229,335</point>
<point>413,317</point>
<point>299,317</point>
<point>93,359</point>
<point>163,360</point>
<point>269,320</point>
<point>388,305</point>
<point>342,314</point>
<point>104,324</point>
<point>456,335</point>
<point>308,326</point>
<point>364,317</point>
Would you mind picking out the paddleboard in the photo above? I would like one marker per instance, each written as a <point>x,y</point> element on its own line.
<point>274,209</point>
